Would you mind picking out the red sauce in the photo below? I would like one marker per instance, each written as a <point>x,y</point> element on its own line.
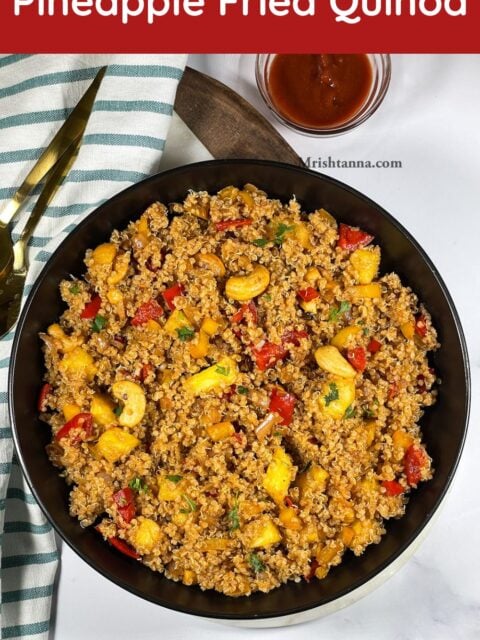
<point>319,90</point>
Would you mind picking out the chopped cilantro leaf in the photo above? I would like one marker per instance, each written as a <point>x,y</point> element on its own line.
<point>223,371</point>
<point>98,323</point>
<point>350,412</point>
<point>242,390</point>
<point>74,289</point>
<point>256,564</point>
<point>118,410</point>
<point>175,479</point>
<point>233,517</point>
<point>260,242</point>
<point>306,467</point>
<point>138,485</point>
<point>332,394</point>
<point>280,232</point>
<point>191,505</point>
<point>336,312</point>
<point>185,334</point>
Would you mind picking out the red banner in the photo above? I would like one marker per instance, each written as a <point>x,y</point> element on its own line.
<point>240,26</point>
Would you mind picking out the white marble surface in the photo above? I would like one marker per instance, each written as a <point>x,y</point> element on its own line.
<point>429,121</point>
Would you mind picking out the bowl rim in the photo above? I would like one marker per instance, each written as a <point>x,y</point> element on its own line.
<point>383,565</point>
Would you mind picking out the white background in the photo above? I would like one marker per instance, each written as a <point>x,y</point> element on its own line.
<point>430,122</point>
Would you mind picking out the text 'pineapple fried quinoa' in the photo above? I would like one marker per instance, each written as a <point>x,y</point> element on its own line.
<point>234,392</point>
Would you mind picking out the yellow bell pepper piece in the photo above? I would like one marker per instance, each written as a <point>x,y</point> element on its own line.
<point>104,253</point>
<point>345,336</point>
<point>289,519</point>
<point>220,431</point>
<point>199,347</point>
<point>408,329</point>
<point>361,291</point>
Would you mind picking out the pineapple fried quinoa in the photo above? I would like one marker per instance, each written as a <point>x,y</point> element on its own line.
<point>234,392</point>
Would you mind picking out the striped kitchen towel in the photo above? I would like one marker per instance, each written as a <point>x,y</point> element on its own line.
<point>123,144</point>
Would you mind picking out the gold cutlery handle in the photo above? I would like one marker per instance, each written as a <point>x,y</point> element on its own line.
<point>73,127</point>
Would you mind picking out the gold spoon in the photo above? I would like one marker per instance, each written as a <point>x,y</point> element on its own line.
<point>72,128</point>
<point>56,161</point>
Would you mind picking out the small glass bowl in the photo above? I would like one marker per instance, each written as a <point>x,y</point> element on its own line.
<point>381,72</point>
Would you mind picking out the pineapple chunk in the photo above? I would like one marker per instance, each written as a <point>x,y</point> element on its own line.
<point>331,360</point>
<point>176,321</point>
<point>262,533</point>
<point>218,376</point>
<point>210,326</point>
<point>289,519</point>
<point>369,486</point>
<point>312,275</point>
<point>326,553</point>
<point>115,443</point>
<point>169,490</point>
<point>78,363</point>
<point>146,536</point>
<point>347,535</point>
<point>101,409</point>
<point>315,479</point>
<point>361,291</point>
<point>278,476</point>
<point>346,335</point>
<point>365,263</point>
<point>133,398</point>
<point>70,410</point>
<point>336,396</point>
<point>220,431</point>
<point>363,531</point>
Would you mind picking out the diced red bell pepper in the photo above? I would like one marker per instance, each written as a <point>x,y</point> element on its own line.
<point>268,354</point>
<point>311,573</point>
<point>421,325</point>
<point>308,294</point>
<point>145,372</point>
<point>230,392</point>
<point>42,397</point>
<point>83,422</point>
<point>352,237</point>
<point>392,391</point>
<point>123,547</point>
<point>125,502</point>
<point>249,308</point>
<point>373,346</point>
<point>283,403</point>
<point>294,337</point>
<point>392,487</point>
<point>413,463</point>
<point>238,437</point>
<point>289,502</point>
<point>357,358</point>
<point>91,308</point>
<point>171,293</point>
<point>224,225</point>
<point>151,310</point>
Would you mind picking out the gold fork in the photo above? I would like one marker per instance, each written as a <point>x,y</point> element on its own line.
<point>55,162</point>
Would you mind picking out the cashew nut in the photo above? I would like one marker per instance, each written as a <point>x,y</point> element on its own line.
<point>244,288</point>
<point>132,397</point>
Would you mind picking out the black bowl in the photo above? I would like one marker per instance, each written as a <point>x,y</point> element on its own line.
<point>444,425</point>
